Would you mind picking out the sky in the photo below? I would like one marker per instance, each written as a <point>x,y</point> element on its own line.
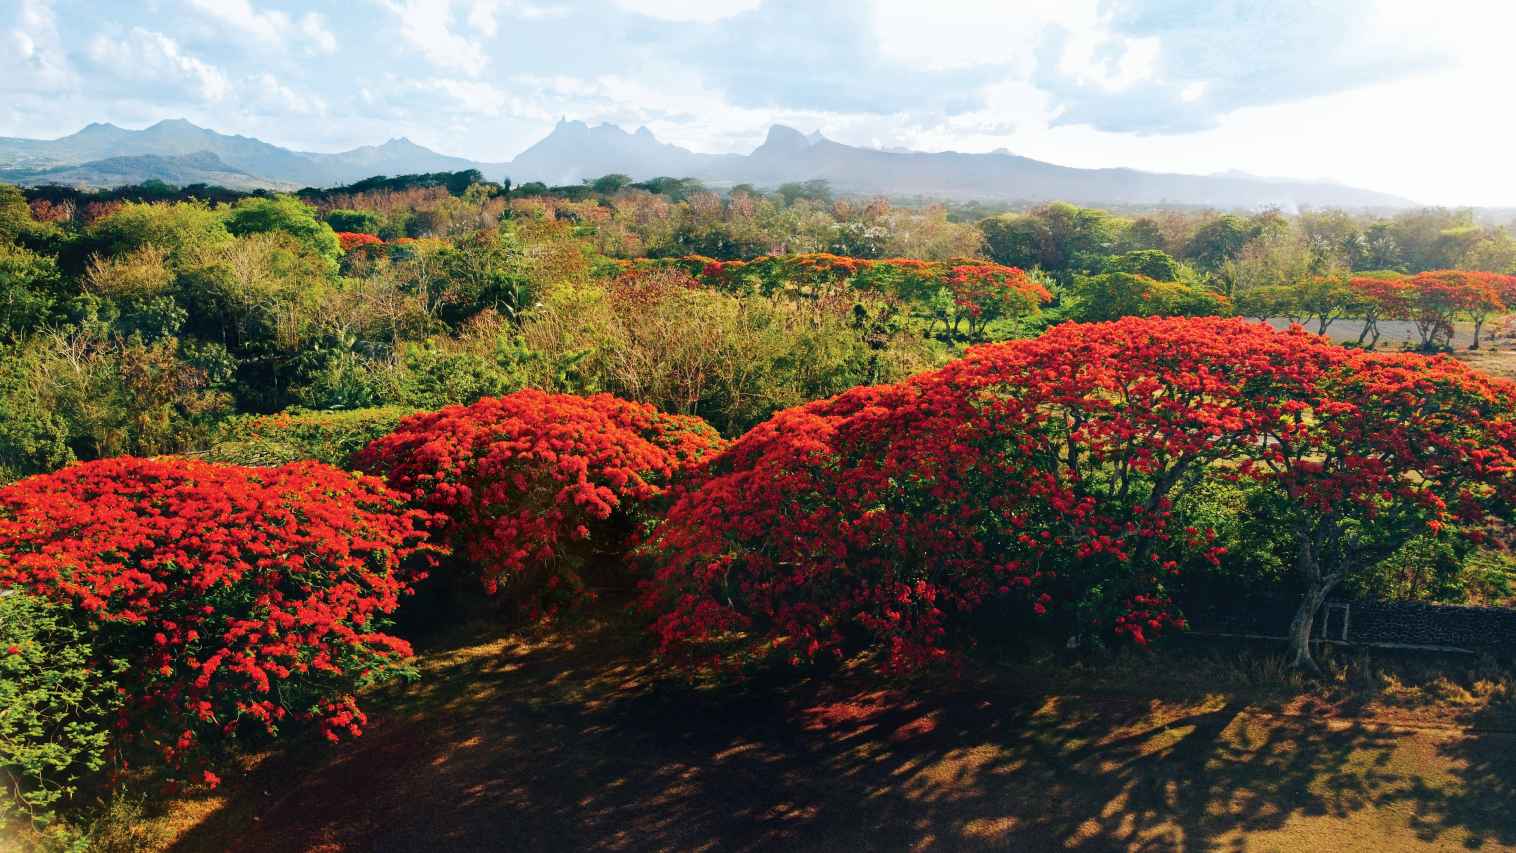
<point>1401,96</point>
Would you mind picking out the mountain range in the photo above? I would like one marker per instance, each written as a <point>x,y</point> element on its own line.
<point>178,152</point>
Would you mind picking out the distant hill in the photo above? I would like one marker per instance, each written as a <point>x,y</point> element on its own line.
<point>181,170</point>
<point>273,166</point>
<point>106,155</point>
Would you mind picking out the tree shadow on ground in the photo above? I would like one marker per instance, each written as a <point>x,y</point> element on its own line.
<point>585,745</point>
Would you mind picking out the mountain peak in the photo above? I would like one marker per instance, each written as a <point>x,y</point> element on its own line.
<point>785,137</point>
<point>175,124</point>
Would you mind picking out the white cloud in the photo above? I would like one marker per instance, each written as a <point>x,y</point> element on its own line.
<point>147,56</point>
<point>966,33</point>
<point>483,15</point>
<point>427,26</point>
<point>704,11</point>
<point>313,26</point>
<point>266,94</point>
<point>273,28</point>
<point>34,60</point>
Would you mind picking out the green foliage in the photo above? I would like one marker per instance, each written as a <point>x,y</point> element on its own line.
<point>485,271</point>
<point>15,215</point>
<point>1154,264</point>
<point>610,184</point>
<point>185,231</point>
<point>295,434</point>
<point>1219,241</point>
<point>814,190</point>
<point>355,221</point>
<point>1111,296</point>
<point>56,700</point>
<point>1060,238</point>
<point>422,375</point>
<point>289,215</point>
<point>731,359</point>
<point>30,288</point>
<point>87,393</point>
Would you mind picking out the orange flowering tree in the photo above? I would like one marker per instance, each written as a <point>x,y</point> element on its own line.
<point>983,292</point>
<point>1044,473</point>
<point>240,597</point>
<point>1040,470</point>
<point>350,240</point>
<point>1377,450</point>
<point>533,487</point>
<point>1379,297</point>
<point>1438,297</point>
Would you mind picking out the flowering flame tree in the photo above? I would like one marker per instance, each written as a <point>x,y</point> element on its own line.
<point>240,596</point>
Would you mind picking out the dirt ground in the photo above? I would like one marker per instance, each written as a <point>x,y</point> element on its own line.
<point>574,741</point>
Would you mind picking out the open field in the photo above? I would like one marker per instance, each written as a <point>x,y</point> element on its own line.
<point>574,741</point>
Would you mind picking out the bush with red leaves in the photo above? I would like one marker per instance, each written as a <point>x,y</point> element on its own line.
<point>535,486</point>
<point>240,597</point>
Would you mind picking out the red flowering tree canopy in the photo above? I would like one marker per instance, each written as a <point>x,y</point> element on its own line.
<point>1048,469</point>
<point>1043,468</point>
<point>238,595</point>
<point>351,240</point>
<point>984,292</point>
<point>536,483</point>
<point>1436,297</point>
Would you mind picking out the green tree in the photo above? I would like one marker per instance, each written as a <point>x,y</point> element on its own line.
<point>185,230</point>
<point>355,221</point>
<point>1152,263</point>
<point>1219,241</point>
<point>289,215</point>
<point>610,184</point>
<point>30,287</point>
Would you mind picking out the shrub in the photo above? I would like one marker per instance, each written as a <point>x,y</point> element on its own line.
<point>78,393</point>
<point>58,700</point>
<point>298,434</point>
<point>535,485</point>
<point>240,597</point>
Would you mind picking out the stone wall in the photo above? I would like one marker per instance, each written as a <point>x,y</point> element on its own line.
<point>1443,627</point>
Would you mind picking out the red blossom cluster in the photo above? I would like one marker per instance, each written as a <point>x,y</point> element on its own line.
<point>1046,470</point>
<point>241,596</point>
<point>539,484</point>
<point>351,240</point>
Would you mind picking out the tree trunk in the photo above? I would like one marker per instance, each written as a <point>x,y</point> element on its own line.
<point>1478,325</point>
<point>1304,621</point>
<point>1317,587</point>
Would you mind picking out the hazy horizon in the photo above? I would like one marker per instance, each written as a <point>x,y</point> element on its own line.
<point>1355,92</point>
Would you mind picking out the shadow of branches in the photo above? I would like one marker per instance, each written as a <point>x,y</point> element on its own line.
<point>585,745</point>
